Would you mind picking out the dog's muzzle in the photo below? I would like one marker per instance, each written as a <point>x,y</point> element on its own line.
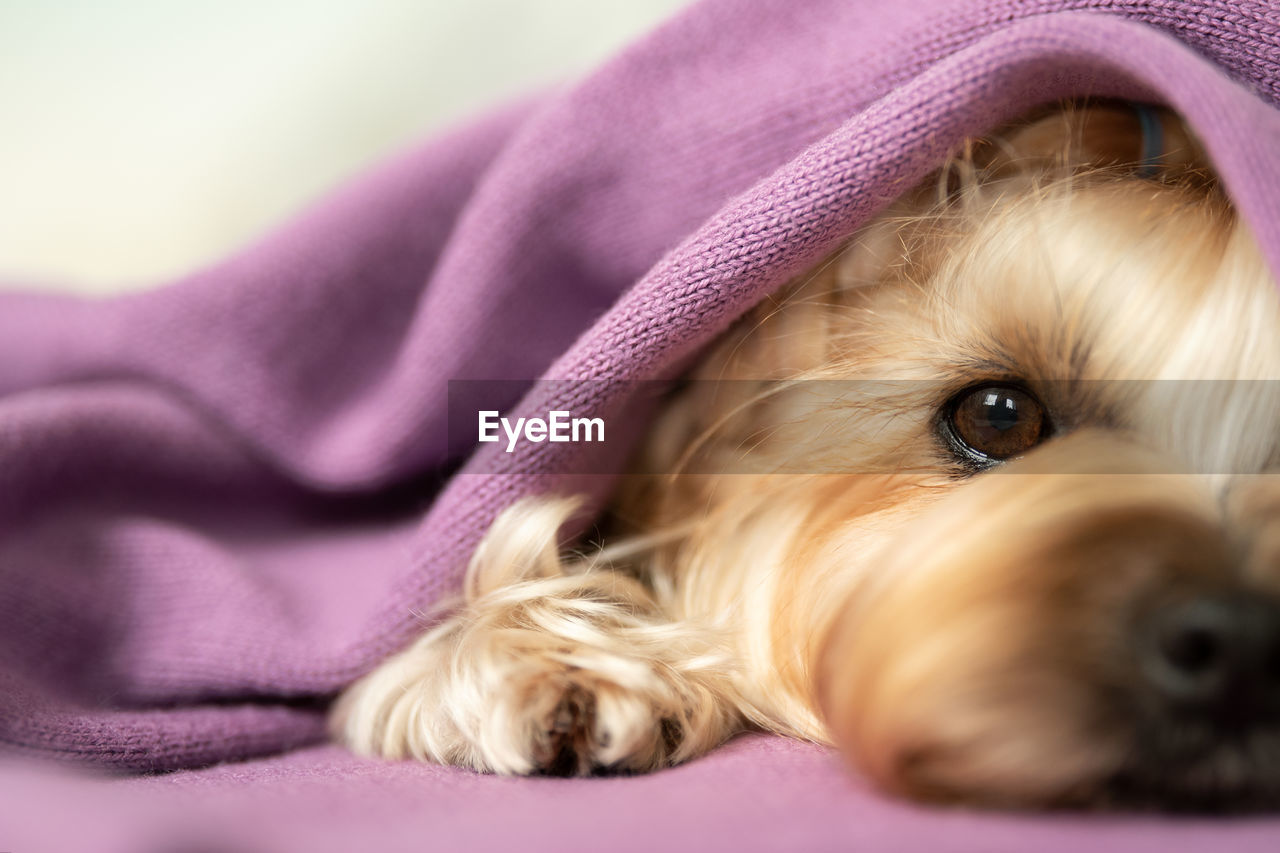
<point>1085,626</point>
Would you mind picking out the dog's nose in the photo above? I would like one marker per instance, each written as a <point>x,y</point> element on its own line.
<point>1217,656</point>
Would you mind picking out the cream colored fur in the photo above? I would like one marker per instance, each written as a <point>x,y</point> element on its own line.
<point>808,558</point>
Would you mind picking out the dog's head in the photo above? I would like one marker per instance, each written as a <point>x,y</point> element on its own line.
<point>999,475</point>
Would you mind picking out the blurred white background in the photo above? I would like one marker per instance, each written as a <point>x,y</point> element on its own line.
<point>145,138</point>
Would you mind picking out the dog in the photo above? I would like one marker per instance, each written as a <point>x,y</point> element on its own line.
<point>981,500</point>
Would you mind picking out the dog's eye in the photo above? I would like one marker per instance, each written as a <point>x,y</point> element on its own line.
<point>995,422</point>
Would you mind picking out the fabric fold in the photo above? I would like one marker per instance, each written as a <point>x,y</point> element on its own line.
<point>223,499</point>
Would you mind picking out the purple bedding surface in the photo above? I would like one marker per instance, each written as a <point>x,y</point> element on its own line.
<point>223,499</point>
<point>758,793</point>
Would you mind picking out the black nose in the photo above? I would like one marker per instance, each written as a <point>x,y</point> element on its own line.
<point>1216,655</point>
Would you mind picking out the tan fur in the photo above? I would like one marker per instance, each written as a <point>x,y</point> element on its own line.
<point>796,550</point>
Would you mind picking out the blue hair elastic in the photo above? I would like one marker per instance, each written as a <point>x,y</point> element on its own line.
<point>1152,140</point>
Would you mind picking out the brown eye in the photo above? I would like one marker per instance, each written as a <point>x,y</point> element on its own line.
<point>995,422</point>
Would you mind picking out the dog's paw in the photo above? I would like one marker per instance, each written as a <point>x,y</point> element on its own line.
<point>520,711</point>
<point>546,670</point>
<point>547,679</point>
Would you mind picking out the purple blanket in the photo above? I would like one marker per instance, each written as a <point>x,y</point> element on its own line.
<point>223,499</point>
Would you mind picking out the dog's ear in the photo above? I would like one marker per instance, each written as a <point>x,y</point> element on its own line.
<point>1146,140</point>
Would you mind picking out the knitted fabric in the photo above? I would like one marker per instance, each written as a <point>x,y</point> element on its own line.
<point>223,499</point>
